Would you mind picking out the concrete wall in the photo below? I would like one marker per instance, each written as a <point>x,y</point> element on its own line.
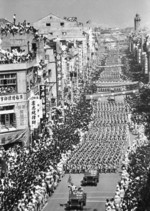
<point>51,65</point>
<point>55,23</point>
<point>17,40</point>
<point>21,111</point>
<point>17,66</point>
<point>21,82</point>
<point>69,29</point>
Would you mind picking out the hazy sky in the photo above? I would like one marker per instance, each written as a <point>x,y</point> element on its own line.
<point>118,13</point>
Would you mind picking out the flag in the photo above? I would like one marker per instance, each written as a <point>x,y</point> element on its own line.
<point>88,22</point>
<point>70,179</point>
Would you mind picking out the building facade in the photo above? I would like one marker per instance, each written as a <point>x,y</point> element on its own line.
<point>13,103</point>
<point>19,77</point>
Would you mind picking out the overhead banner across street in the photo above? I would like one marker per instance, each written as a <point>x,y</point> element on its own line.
<point>96,96</point>
<point>116,84</point>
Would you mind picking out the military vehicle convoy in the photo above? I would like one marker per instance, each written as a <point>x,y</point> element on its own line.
<point>90,178</point>
<point>77,199</point>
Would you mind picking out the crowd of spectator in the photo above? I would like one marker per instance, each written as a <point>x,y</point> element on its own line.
<point>7,90</point>
<point>124,198</point>
<point>34,173</point>
<point>15,56</point>
<point>17,28</point>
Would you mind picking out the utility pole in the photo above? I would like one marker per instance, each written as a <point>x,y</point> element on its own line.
<point>62,85</point>
<point>50,98</point>
<point>72,91</point>
<point>77,77</point>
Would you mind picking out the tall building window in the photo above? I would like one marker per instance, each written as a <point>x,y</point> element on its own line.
<point>64,33</point>
<point>48,24</point>
<point>62,23</point>
<point>47,57</point>
<point>8,119</point>
<point>8,83</point>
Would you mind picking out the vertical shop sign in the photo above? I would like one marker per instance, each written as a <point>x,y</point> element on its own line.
<point>39,110</point>
<point>43,98</point>
<point>22,117</point>
<point>35,110</point>
<point>47,99</point>
<point>59,75</point>
<point>32,110</point>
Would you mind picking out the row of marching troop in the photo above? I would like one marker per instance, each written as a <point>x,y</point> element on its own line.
<point>113,113</point>
<point>105,142</point>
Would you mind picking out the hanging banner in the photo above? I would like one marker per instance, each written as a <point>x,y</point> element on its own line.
<point>43,98</point>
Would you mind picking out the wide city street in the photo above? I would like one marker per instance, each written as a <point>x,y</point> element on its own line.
<point>96,196</point>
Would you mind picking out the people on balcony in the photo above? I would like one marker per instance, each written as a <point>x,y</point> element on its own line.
<point>15,56</point>
<point>7,90</point>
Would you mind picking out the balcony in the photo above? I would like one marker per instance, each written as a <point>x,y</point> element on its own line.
<point>18,66</point>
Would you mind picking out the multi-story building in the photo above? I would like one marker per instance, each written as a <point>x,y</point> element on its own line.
<point>53,26</point>
<point>13,103</point>
<point>67,61</point>
<point>19,75</point>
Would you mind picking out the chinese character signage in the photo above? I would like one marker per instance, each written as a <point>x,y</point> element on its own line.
<point>21,115</point>
<point>43,98</point>
<point>12,98</point>
<point>39,110</point>
<point>32,113</point>
<point>47,99</point>
<point>35,112</point>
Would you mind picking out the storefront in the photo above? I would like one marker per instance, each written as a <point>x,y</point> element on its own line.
<point>15,136</point>
<point>13,119</point>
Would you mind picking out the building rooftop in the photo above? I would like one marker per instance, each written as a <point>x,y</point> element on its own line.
<point>17,66</point>
<point>4,21</point>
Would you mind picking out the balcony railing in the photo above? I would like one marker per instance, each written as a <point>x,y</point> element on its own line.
<point>18,66</point>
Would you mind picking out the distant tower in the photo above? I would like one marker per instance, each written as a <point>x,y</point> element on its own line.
<point>137,22</point>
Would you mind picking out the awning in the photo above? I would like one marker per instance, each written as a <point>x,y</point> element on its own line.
<point>15,136</point>
<point>7,111</point>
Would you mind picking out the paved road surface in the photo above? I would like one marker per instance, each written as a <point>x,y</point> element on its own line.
<point>96,196</point>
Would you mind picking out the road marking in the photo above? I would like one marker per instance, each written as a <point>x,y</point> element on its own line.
<point>94,201</point>
<point>88,200</point>
<point>92,197</point>
<point>87,192</point>
<point>45,206</point>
